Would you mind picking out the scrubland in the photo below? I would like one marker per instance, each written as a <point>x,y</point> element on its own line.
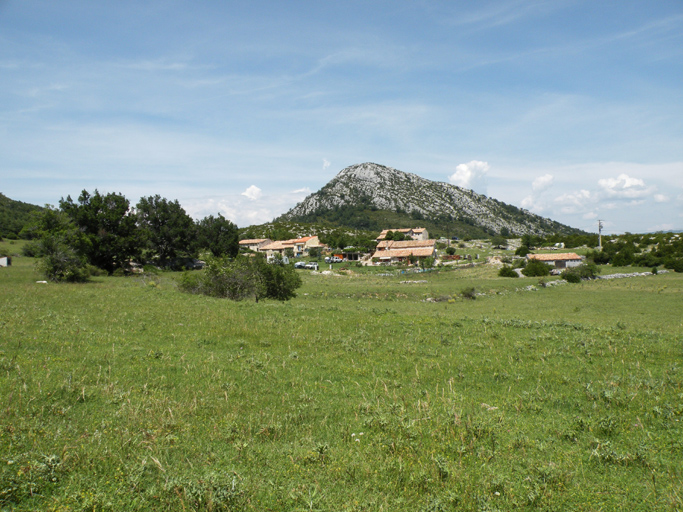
<point>365,392</point>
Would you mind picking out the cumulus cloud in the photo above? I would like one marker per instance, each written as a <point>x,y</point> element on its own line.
<point>542,183</point>
<point>590,215</point>
<point>661,198</point>
<point>535,201</point>
<point>253,193</point>
<point>625,187</point>
<point>575,201</point>
<point>244,210</point>
<point>471,175</point>
<point>326,164</point>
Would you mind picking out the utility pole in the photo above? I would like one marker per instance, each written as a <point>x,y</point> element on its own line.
<point>600,235</point>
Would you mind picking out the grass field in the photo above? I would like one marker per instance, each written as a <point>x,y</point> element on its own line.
<point>360,394</point>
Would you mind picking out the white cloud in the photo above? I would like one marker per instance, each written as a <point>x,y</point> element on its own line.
<point>542,183</point>
<point>326,164</point>
<point>304,190</point>
<point>661,198</point>
<point>575,201</point>
<point>625,187</point>
<point>245,212</point>
<point>590,215</point>
<point>535,202</point>
<point>471,175</point>
<point>253,193</point>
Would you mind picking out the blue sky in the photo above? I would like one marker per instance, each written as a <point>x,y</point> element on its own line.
<point>571,109</point>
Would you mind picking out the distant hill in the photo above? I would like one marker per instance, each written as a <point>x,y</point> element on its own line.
<point>14,215</point>
<point>374,197</point>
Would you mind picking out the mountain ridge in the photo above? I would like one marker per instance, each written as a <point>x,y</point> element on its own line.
<point>370,186</point>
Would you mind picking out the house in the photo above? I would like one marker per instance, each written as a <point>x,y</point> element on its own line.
<point>389,251</point>
<point>412,233</point>
<point>302,246</point>
<point>254,244</point>
<point>561,260</point>
<point>277,248</point>
<point>299,246</point>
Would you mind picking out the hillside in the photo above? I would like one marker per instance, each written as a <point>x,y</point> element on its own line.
<point>14,215</point>
<point>372,196</point>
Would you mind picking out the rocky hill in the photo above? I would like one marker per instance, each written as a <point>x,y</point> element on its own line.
<point>356,195</point>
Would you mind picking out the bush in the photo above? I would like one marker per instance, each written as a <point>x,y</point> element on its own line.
<point>450,251</point>
<point>243,277</point>
<point>469,293</point>
<point>522,250</point>
<point>585,271</point>
<point>60,262</point>
<point>507,271</point>
<point>31,250</point>
<point>571,277</point>
<point>536,268</point>
<point>677,265</point>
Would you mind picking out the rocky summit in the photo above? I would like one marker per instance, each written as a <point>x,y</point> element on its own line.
<point>372,186</point>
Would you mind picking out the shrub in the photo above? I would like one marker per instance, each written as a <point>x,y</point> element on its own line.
<point>585,271</point>
<point>450,251</point>
<point>536,268</point>
<point>571,277</point>
<point>507,271</point>
<point>31,250</point>
<point>522,250</point>
<point>243,277</point>
<point>60,262</point>
<point>469,293</point>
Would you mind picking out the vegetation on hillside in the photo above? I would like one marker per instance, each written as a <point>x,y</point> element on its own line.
<point>14,215</point>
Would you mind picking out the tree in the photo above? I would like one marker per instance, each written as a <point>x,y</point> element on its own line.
<point>168,231</point>
<point>499,242</point>
<point>60,244</point>
<point>109,227</point>
<point>218,235</point>
<point>535,268</point>
<point>522,250</point>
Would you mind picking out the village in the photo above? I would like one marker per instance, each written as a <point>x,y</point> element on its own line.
<point>400,246</point>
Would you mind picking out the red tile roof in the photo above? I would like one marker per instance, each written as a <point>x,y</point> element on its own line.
<point>554,257</point>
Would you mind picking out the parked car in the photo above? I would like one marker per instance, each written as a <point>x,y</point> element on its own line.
<point>300,264</point>
<point>333,259</point>
<point>312,265</point>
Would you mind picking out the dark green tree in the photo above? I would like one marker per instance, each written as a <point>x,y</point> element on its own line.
<point>218,235</point>
<point>536,268</point>
<point>168,231</point>
<point>111,234</point>
<point>499,241</point>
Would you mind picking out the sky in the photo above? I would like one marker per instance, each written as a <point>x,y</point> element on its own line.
<point>570,109</point>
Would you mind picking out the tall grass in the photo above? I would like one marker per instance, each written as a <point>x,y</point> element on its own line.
<point>125,394</point>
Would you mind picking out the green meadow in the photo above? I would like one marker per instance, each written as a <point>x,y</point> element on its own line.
<point>364,393</point>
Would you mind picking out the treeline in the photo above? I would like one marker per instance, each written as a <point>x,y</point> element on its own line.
<point>103,231</point>
<point>660,249</point>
